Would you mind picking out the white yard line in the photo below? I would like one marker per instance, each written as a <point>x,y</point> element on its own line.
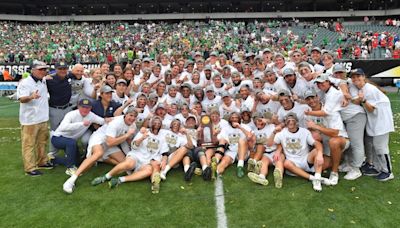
<point>9,128</point>
<point>220,204</point>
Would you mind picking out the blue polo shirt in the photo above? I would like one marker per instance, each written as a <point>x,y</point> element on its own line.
<point>59,90</point>
<point>99,110</point>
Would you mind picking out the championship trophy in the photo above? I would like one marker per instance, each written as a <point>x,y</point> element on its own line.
<point>206,140</point>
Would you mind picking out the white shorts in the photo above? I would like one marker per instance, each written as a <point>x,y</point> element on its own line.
<point>302,163</point>
<point>233,155</point>
<point>270,156</point>
<point>140,162</point>
<point>170,156</point>
<point>99,140</point>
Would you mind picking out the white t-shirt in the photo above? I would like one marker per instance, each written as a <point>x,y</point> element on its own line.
<point>208,104</point>
<point>72,124</point>
<point>270,107</point>
<point>37,110</point>
<point>278,85</point>
<point>173,140</point>
<point>232,136</point>
<point>151,148</point>
<point>298,109</point>
<point>262,136</point>
<point>380,121</point>
<point>225,111</point>
<point>295,145</point>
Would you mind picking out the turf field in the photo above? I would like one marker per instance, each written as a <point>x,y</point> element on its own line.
<point>40,201</point>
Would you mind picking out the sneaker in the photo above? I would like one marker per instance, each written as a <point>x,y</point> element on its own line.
<point>155,183</point>
<point>370,171</point>
<point>50,157</point>
<point>257,168</point>
<point>251,165</point>
<point>98,180</point>
<point>257,179</point>
<point>34,173</point>
<point>48,165</point>
<point>214,168</point>
<point>207,174</point>
<point>240,171</point>
<point>334,178</point>
<point>162,176</point>
<point>69,186</point>
<point>384,176</point>
<point>316,184</point>
<point>365,166</point>
<point>353,174</point>
<point>114,182</point>
<point>189,173</point>
<point>345,167</point>
<point>278,178</point>
<point>326,181</point>
<point>71,171</point>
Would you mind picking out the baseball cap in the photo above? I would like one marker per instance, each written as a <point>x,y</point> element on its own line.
<point>245,109</point>
<point>237,60</point>
<point>85,103</point>
<point>269,70</point>
<point>187,85</point>
<point>316,49</point>
<point>338,68</point>
<point>122,81</point>
<point>106,89</point>
<point>198,54</point>
<point>189,62</point>
<point>131,109</point>
<point>146,59</point>
<point>226,67</point>
<point>191,116</point>
<point>256,115</point>
<point>357,71</point>
<point>225,94</point>
<point>258,92</point>
<point>153,96</point>
<point>160,106</point>
<point>283,92</point>
<point>39,65</point>
<point>310,93</point>
<point>209,88</point>
<point>61,65</point>
<point>291,115</point>
<point>222,56</point>
<point>288,71</point>
<point>214,53</point>
<point>266,50</point>
<point>208,67</point>
<point>250,54</point>
<point>322,78</point>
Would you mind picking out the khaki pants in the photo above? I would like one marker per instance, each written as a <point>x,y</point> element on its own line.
<point>33,143</point>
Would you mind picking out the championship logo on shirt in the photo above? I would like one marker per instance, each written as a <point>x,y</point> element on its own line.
<point>217,127</point>
<point>293,145</point>
<point>152,145</point>
<point>318,120</point>
<point>139,121</point>
<point>171,139</point>
<point>233,138</point>
<point>261,138</point>
<point>212,107</point>
<point>76,86</point>
<point>193,133</point>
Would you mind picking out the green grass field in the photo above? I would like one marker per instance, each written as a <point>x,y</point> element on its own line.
<point>40,201</point>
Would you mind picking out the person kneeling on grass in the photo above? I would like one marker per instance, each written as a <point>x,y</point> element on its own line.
<point>104,145</point>
<point>178,144</point>
<point>265,150</point>
<point>233,145</point>
<point>294,142</point>
<point>149,150</point>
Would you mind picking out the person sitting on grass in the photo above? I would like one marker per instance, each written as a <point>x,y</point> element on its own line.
<point>149,150</point>
<point>265,150</point>
<point>178,144</point>
<point>233,145</point>
<point>293,152</point>
<point>104,145</point>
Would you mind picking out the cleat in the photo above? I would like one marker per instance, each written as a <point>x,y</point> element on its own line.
<point>48,165</point>
<point>69,186</point>
<point>207,174</point>
<point>114,182</point>
<point>155,183</point>
<point>257,179</point>
<point>385,176</point>
<point>317,185</point>
<point>34,173</point>
<point>189,173</point>
<point>98,180</point>
<point>353,174</point>
<point>214,168</point>
<point>326,181</point>
<point>334,178</point>
<point>71,171</point>
<point>257,168</point>
<point>240,171</point>
<point>251,165</point>
<point>278,178</point>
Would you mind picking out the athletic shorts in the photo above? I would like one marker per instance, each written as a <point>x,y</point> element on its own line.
<point>233,155</point>
<point>302,163</point>
<point>140,162</point>
<point>94,140</point>
<point>270,155</point>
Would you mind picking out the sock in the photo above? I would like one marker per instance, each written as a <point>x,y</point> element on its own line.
<point>204,167</point>
<point>121,179</point>
<point>73,178</point>
<point>317,176</point>
<point>240,163</point>
<point>262,176</point>
<point>167,168</point>
<point>108,176</point>
<point>311,178</point>
<point>186,168</point>
<point>217,159</point>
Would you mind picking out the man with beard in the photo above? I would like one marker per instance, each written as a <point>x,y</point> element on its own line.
<point>149,152</point>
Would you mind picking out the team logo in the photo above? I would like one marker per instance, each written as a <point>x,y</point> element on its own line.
<point>293,145</point>
<point>233,138</point>
<point>261,138</point>
<point>152,145</point>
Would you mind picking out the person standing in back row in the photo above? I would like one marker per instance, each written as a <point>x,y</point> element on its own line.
<point>33,116</point>
<point>60,91</point>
